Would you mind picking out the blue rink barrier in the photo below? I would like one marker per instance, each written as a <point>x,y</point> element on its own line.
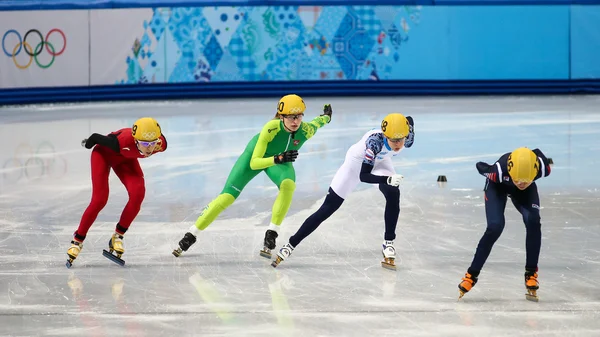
<point>314,88</point>
<point>8,5</point>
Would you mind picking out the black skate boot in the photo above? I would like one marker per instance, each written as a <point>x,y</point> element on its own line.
<point>184,244</point>
<point>269,243</point>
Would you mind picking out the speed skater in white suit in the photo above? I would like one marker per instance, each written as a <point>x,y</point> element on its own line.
<point>368,161</point>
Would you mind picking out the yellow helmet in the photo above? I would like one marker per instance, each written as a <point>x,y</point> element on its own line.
<point>146,129</point>
<point>395,126</point>
<point>522,165</point>
<point>291,105</point>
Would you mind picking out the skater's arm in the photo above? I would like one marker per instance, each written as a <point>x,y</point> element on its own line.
<point>545,168</point>
<point>367,177</point>
<point>493,172</point>
<point>258,162</point>
<point>315,124</point>
<point>410,139</point>
<point>109,141</point>
<point>374,145</point>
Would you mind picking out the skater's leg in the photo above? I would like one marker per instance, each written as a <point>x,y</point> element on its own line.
<point>241,174</point>
<point>284,176</point>
<point>344,181</point>
<point>392,210</point>
<point>100,170</point>
<point>495,204</point>
<point>331,204</point>
<point>131,175</point>
<point>391,213</point>
<point>527,202</point>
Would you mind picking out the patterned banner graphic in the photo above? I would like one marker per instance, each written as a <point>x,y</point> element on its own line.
<point>285,43</point>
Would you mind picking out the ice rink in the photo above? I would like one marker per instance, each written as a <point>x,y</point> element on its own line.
<point>333,284</point>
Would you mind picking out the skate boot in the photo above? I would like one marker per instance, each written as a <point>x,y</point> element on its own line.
<point>532,285</point>
<point>468,282</point>
<point>283,254</point>
<point>73,252</point>
<point>184,244</point>
<point>389,255</point>
<point>115,245</point>
<point>270,237</point>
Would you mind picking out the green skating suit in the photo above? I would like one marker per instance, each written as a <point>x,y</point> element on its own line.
<point>257,157</point>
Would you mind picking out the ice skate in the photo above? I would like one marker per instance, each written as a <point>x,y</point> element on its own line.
<point>532,285</point>
<point>115,245</point>
<point>389,255</point>
<point>269,243</point>
<point>468,282</point>
<point>73,252</point>
<point>184,244</point>
<point>283,254</point>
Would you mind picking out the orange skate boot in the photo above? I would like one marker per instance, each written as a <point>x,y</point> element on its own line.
<point>532,284</point>
<point>468,282</point>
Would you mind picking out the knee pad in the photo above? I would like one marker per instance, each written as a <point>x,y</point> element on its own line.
<point>224,200</point>
<point>287,186</point>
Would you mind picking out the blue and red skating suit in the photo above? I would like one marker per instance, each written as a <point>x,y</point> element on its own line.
<point>498,172</point>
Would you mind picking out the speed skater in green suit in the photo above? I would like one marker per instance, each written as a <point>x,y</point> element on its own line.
<point>273,151</point>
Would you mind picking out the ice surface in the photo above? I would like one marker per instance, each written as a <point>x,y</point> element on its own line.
<point>333,284</point>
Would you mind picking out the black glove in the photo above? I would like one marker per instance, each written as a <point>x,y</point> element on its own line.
<point>327,111</point>
<point>285,157</point>
<point>88,143</point>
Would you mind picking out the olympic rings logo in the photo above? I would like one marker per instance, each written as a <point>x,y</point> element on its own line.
<point>29,165</point>
<point>33,53</point>
<point>151,135</point>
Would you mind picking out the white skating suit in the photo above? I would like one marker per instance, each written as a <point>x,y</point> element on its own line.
<point>372,149</point>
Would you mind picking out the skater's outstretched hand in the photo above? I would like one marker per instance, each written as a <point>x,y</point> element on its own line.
<point>87,143</point>
<point>327,111</point>
<point>395,180</point>
<point>287,156</point>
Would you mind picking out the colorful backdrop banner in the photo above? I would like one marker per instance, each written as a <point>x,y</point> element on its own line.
<point>312,43</point>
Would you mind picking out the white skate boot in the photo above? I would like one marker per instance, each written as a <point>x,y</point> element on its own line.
<point>283,254</point>
<point>389,255</point>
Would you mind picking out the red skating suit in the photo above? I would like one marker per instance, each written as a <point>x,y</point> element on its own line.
<point>127,168</point>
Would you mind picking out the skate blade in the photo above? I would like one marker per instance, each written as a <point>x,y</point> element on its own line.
<point>461,294</point>
<point>265,254</point>
<point>387,265</point>
<point>69,263</point>
<point>113,258</point>
<point>532,296</point>
<point>177,252</point>
<point>276,262</point>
